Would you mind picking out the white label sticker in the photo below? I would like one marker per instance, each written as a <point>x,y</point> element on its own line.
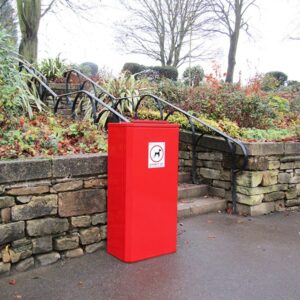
<point>156,155</point>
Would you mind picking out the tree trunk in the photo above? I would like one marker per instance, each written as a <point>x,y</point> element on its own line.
<point>29,13</point>
<point>231,57</point>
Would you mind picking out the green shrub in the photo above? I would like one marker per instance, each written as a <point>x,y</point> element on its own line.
<point>266,135</point>
<point>269,83</point>
<point>166,72</point>
<point>172,91</point>
<point>133,68</point>
<point>273,80</point>
<point>52,68</point>
<point>90,69</point>
<point>16,96</point>
<point>197,75</point>
<point>163,71</point>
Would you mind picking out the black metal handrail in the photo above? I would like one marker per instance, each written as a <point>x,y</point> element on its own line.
<point>47,91</point>
<point>112,106</point>
<point>231,142</point>
<point>84,80</point>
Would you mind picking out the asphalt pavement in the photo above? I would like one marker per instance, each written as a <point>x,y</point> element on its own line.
<point>219,257</point>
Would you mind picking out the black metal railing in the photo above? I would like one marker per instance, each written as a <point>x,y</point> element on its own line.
<point>97,95</point>
<point>167,109</point>
<point>45,92</point>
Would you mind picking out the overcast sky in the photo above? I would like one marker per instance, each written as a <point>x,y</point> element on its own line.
<point>269,49</point>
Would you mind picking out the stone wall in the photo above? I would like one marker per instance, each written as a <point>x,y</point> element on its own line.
<point>271,181</point>
<point>51,209</point>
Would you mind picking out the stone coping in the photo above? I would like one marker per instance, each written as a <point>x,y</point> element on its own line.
<point>254,148</point>
<point>54,167</point>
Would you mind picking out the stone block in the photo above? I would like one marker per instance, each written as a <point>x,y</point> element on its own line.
<point>214,156</point>
<point>73,253</point>
<point>184,155</point>
<point>25,264</point>
<point>274,196</point>
<point>257,164</point>
<point>4,268</point>
<point>292,202</point>
<point>284,177</point>
<point>279,205</point>
<point>94,247</point>
<point>273,164</point>
<point>24,170</point>
<point>67,186</point>
<point>99,219</point>
<point>42,245</point>
<point>81,221</point>
<point>39,206</point>
<point>188,163</point>
<point>257,210</point>
<point>222,184</point>
<point>270,178</point>
<point>295,179</point>
<point>21,243</point>
<point>265,148</point>
<point>291,193</point>
<point>29,190</point>
<point>47,259</point>
<point>7,201</point>
<point>216,192</point>
<point>82,202</point>
<point>5,215</point>
<point>212,164</point>
<point>103,232</point>
<point>90,235</point>
<point>226,175</point>
<point>19,253</point>
<point>95,183</point>
<point>259,190</point>
<point>291,148</point>
<point>12,231</point>
<point>79,165</point>
<point>66,243</point>
<point>23,199</point>
<point>46,226</point>
<point>250,200</point>
<point>287,165</point>
<point>250,179</point>
<point>210,173</point>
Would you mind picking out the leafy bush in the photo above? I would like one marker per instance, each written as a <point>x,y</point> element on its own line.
<point>177,118</point>
<point>163,71</point>
<point>273,80</point>
<point>170,90</point>
<point>166,72</point>
<point>90,69</point>
<point>266,135</point>
<point>16,96</point>
<point>46,135</point>
<point>53,68</point>
<point>269,83</point>
<point>197,75</point>
<point>133,68</point>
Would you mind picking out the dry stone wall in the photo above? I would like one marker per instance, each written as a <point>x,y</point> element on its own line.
<point>271,181</point>
<point>51,209</point>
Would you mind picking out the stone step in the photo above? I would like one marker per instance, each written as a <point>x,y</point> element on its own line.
<point>188,191</point>
<point>184,177</point>
<point>199,206</point>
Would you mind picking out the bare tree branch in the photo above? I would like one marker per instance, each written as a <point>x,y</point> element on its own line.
<point>160,29</point>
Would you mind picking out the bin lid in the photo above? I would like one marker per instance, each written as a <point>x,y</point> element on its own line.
<point>145,123</point>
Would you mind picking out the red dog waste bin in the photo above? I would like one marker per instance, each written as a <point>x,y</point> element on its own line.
<point>142,189</point>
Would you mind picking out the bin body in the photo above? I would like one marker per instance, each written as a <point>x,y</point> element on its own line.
<point>142,189</point>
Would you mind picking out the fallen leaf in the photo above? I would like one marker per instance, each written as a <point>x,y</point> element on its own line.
<point>211,237</point>
<point>12,281</point>
<point>209,221</point>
